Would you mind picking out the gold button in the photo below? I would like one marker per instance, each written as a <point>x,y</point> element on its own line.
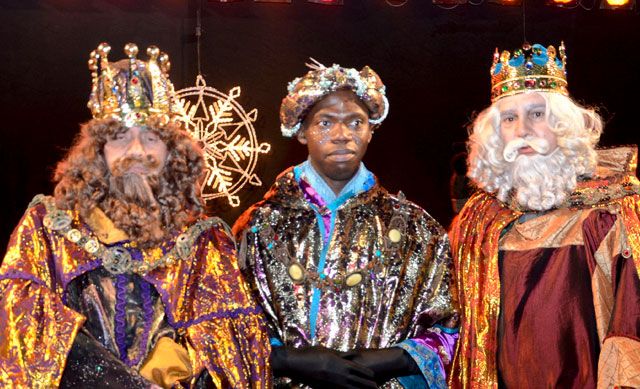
<point>296,272</point>
<point>395,235</point>
<point>353,279</point>
<point>74,235</point>
<point>92,246</point>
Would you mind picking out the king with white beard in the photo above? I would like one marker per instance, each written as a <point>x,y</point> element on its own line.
<point>547,252</point>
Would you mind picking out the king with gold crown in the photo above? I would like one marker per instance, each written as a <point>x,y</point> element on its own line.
<point>119,279</point>
<point>547,252</point>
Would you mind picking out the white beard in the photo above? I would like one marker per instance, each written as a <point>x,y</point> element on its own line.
<point>542,182</point>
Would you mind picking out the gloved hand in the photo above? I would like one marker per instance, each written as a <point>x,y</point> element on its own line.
<point>386,363</point>
<point>320,367</point>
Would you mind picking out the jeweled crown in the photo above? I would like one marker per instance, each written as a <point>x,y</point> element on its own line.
<point>130,90</point>
<point>306,91</point>
<point>531,68</point>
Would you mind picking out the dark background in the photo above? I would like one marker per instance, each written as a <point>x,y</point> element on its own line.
<point>434,61</point>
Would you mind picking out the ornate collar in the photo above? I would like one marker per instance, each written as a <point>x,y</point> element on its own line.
<point>117,259</point>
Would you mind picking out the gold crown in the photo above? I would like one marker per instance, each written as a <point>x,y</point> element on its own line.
<point>130,90</point>
<point>531,68</point>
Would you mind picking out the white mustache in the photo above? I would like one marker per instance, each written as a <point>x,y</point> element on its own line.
<point>510,153</point>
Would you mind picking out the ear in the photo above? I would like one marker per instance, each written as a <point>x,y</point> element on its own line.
<point>370,134</point>
<point>302,138</point>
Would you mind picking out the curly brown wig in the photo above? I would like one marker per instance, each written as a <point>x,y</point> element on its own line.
<point>84,182</point>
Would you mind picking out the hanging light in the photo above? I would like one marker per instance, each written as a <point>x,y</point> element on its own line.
<point>563,3</point>
<point>617,4</point>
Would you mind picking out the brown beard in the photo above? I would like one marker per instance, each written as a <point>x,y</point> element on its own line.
<point>131,202</point>
<point>84,182</point>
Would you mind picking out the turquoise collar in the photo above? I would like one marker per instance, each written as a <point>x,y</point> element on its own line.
<point>362,181</point>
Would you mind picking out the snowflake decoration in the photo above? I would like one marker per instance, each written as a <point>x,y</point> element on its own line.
<point>227,136</point>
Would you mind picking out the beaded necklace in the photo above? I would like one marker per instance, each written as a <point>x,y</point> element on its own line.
<point>117,259</point>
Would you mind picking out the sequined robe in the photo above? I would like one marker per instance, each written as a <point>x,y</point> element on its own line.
<point>184,321</point>
<point>397,252</point>
<point>552,300</point>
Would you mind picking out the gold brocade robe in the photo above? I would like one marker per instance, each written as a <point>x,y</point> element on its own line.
<point>203,298</point>
<point>590,249</point>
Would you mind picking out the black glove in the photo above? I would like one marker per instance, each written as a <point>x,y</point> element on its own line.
<point>386,363</point>
<point>320,367</point>
<point>90,365</point>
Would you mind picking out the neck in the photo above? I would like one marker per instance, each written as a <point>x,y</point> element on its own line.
<point>336,185</point>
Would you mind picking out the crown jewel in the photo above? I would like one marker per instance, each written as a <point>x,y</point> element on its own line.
<point>531,68</point>
<point>130,90</point>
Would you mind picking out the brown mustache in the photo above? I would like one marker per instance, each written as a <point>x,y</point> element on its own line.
<point>121,166</point>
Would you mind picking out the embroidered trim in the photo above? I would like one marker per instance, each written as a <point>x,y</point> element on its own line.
<point>428,361</point>
<point>19,275</point>
<point>594,192</point>
<point>120,320</point>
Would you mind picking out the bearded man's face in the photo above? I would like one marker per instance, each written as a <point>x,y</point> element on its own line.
<point>524,127</point>
<point>532,147</point>
<point>136,157</point>
<point>135,150</point>
<point>539,172</point>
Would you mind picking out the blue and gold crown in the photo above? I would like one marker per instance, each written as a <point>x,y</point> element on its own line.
<point>531,68</point>
<point>131,90</point>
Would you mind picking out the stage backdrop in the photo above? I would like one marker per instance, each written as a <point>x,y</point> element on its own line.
<point>435,63</point>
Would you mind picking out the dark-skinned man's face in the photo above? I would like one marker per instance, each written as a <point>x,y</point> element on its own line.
<point>337,133</point>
